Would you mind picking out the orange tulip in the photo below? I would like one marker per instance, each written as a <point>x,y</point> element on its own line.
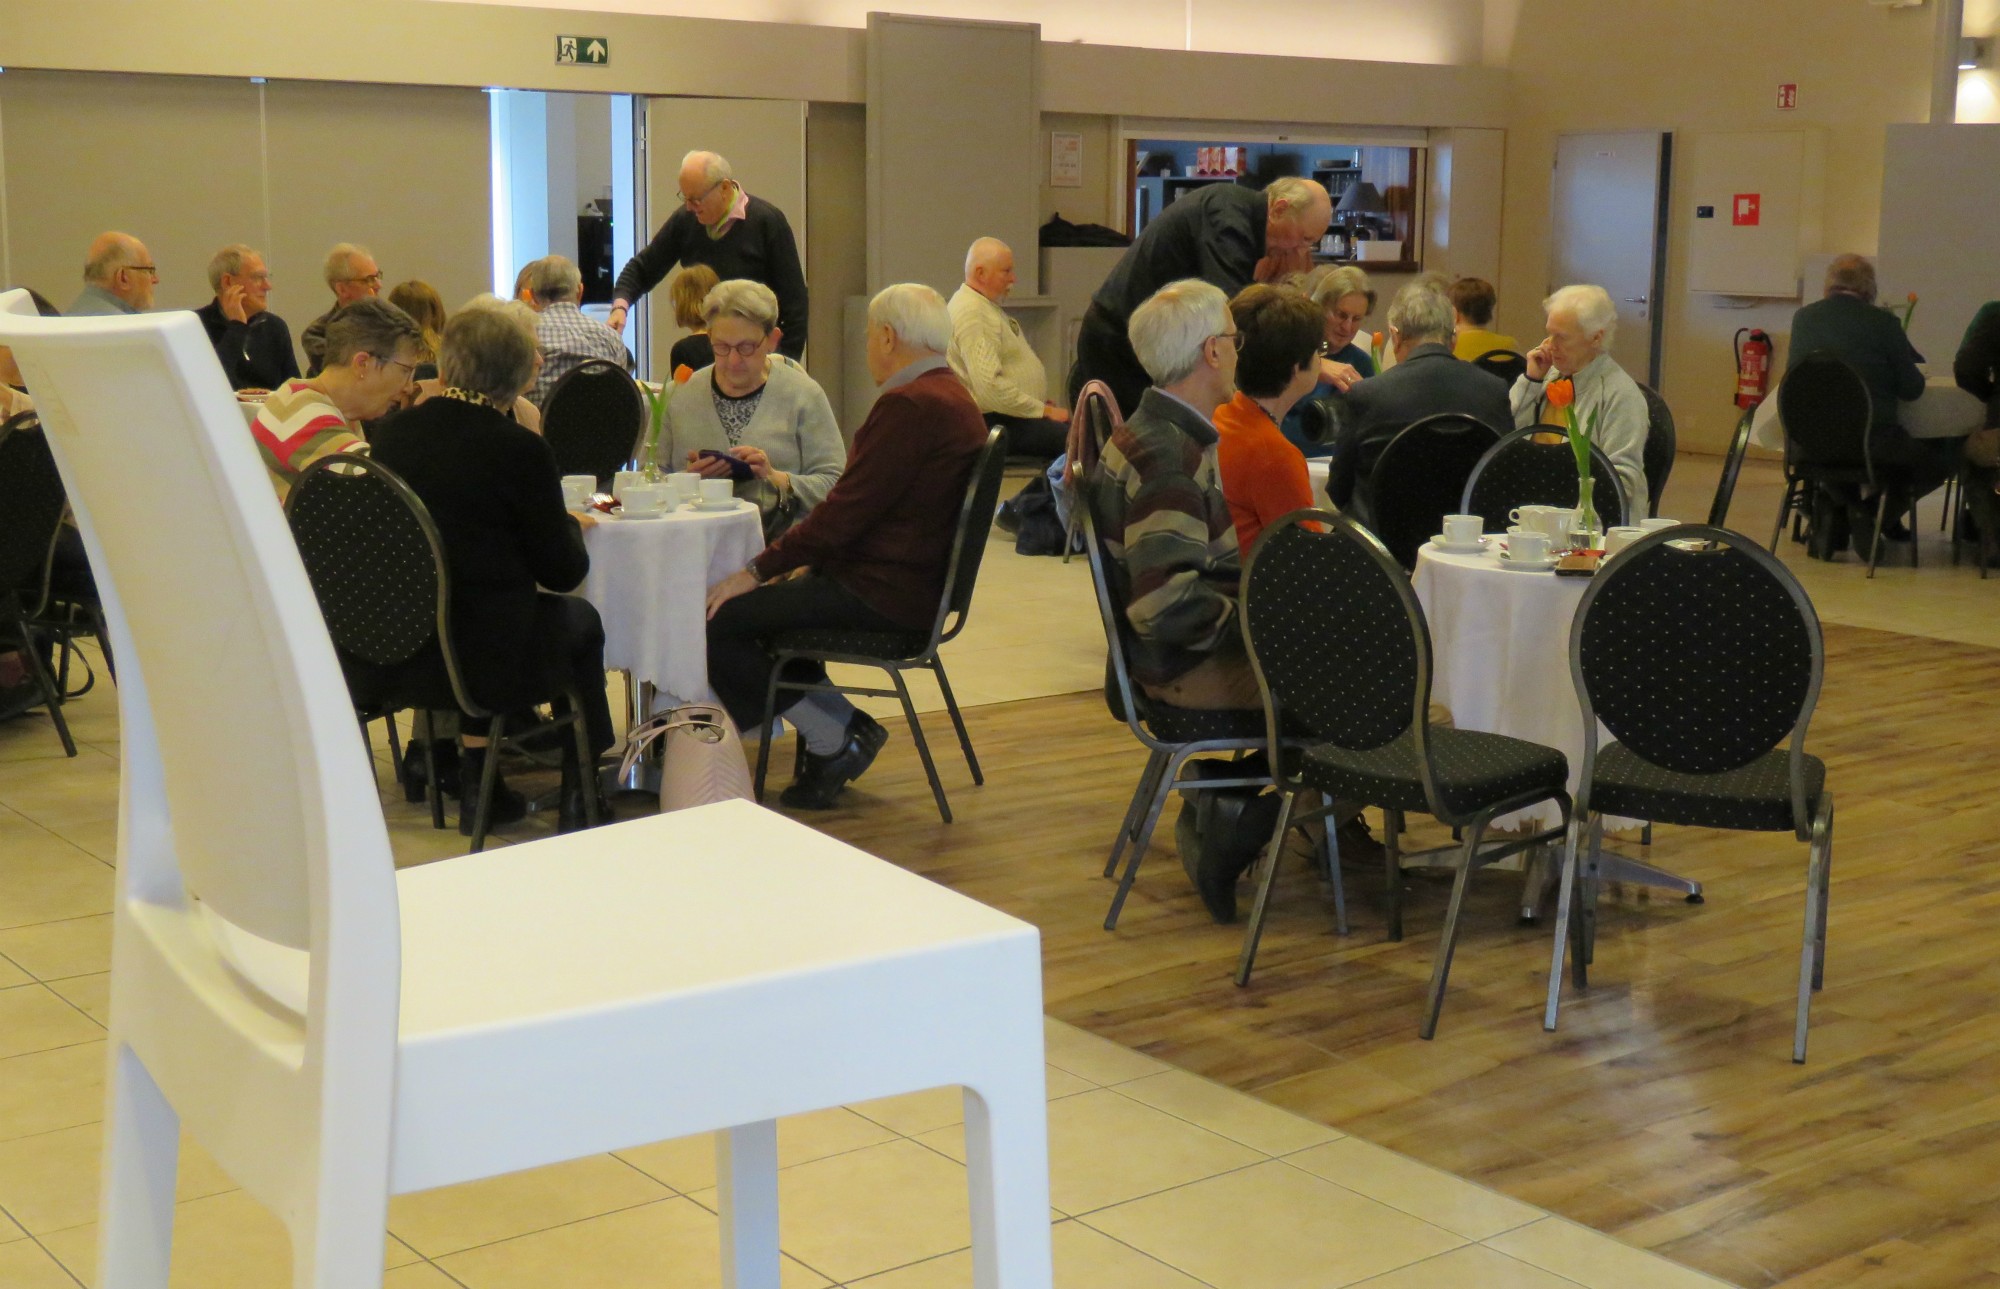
<point>682,374</point>
<point>1913,297</point>
<point>1561,393</point>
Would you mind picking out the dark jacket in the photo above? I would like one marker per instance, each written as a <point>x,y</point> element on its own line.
<point>254,355</point>
<point>496,495</point>
<point>1215,234</point>
<point>885,532</point>
<point>1430,381</point>
<point>1866,338</point>
<point>761,248</point>
<point>1977,365</point>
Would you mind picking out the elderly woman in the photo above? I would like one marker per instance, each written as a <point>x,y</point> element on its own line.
<point>759,408</point>
<point>524,413</point>
<point>1345,299</point>
<point>369,351</point>
<point>496,495</point>
<point>1581,323</point>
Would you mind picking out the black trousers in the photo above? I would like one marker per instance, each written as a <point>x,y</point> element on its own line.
<point>1103,352</point>
<point>569,650</point>
<point>740,635</point>
<point>1031,436</point>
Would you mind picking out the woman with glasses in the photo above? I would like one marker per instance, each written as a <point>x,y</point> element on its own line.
<point>372,351</point>
<point>758,409</point>
<point>1345,299</point>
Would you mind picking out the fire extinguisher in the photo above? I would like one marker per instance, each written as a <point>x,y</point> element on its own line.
<point>1753,367</point>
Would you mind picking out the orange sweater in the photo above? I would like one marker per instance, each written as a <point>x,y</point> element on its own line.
<point>1263,475</point>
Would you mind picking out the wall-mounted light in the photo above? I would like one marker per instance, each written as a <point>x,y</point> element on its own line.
<point>1974,52</point>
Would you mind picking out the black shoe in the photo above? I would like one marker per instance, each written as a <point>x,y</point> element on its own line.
<point>508,806</point>
<point>1239,827</point>
<point>824,777</point>
<point>571,816</point>
<point>1007,518</point>
<point>412,772</point>
<point>1357,845</point>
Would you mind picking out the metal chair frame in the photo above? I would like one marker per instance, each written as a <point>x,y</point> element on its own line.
<point>36,547</point>
<point>559,433</point>
<point>1505,364</point>
<point>1732,466</point>
<point>1662,445</point>
<point>1424,439</point>
<point>1602,472</point>
<point>1799,472</point>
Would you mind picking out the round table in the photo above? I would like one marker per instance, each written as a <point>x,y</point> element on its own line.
<point>1942,411</point>
<point>1316,471</point>
<point>649,580</point>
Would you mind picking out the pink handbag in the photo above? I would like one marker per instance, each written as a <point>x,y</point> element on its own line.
<point>701,759</point>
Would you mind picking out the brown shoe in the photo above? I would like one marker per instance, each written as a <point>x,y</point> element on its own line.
<point>1358,846</point>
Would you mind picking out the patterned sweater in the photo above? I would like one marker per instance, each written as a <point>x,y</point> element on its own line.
<point>297,426</point>
<point>1158,499</point>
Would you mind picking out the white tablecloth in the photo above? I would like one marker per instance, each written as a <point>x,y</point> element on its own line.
<point>649,579</point>
<point>1942,411</point>
<point>1500,655</point>
<point>1316,470</point>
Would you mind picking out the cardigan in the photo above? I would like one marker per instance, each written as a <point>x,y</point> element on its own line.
<point>760,247</point>
<point>1623,421</point>
<point>793,424</point>
<point>994,359</point>
<point>886,531</point>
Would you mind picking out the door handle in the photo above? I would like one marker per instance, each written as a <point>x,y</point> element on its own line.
<point>1637,299</point>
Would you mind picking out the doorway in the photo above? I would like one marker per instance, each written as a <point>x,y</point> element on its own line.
<point>1608,225</point>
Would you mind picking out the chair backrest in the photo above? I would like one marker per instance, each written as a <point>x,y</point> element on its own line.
<point>1509,365</point>
<point>1107,576</point>
<point>1698,650</point>
<point>1420,478</point>
<point>1732,465</point>
<point>1661,444</point>
<point>1826,409</point>
<point>968,547</point>
<point>593,419</point>
<point>1335,633</point>
<point>1518,471</point>
<point>31,506</point>
<point>277,826</point>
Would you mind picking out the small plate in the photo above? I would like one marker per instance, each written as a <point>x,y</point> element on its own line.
<point>1438,543</point>
<point>640,518</point>
<point>1542,565</point>
<point>711,507</point>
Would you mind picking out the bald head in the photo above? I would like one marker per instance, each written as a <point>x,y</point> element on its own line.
<point>708,188</point>
<point>120,264</point>
<point>989,268</point>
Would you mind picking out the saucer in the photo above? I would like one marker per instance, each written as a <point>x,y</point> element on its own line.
<point>636,518</point>
<point>1438,543</point>
<point>710,507</point>
<point>1542,565</point>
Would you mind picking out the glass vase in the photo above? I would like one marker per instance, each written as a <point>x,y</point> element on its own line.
<point>1588,531</point>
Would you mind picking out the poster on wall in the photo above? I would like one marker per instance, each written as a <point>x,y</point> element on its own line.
<point>1065,159</point>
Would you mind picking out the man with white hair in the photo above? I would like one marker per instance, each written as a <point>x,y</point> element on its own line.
<point>253,344</point>
<point>567,338</point>
<point>1427,380</point>
<point>118,277</point>
<point>1226,235</point>
<point>351,274</point>
<point>1581,323</point>
<point>734,233</point>
<point>870,557</point>
<point>996,361</point>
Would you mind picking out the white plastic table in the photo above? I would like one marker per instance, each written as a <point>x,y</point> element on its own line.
<point>1942,411</point>
<point>649,580</point>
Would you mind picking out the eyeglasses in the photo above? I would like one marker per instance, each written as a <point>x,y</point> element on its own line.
<point>1235,339</point>
<point>409,368</point>
<point>742,349</point>
<point>373,279</point>
<point>692,202</point>
<point>141,268</point>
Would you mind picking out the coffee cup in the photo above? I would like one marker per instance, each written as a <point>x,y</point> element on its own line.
<point>577,489</point>
<point>686,485</point>
<point>1527,546</point>
<point>1528,516</point>
<point>1556,522</point>
<point>716,491</point>
<point>1656,524</point>
<point>626,479</point>
<point>1617,539</point>
<point>1463,530</point>
<point>645,499</point>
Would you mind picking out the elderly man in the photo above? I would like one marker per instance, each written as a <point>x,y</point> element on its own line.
<point>996,361</point>
<point>253,344</point>
<point>1428,379</point>
<point>118,277</point>
<point>1226,235</point>
<point>351,274</point>
<point>372,352</point>
<point>1581,323</point>
<point>567,338</point>
<point>737,235</point>
<point>870,557</point>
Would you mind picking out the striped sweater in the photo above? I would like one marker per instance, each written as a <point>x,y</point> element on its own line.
<point>297,426</point>
<point>1158,500</point>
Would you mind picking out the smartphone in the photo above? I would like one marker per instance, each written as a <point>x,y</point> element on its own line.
<point>738,470</point>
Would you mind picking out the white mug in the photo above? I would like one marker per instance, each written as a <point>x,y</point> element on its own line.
<point>1463,530</point>
<point>1527,545</point>
<point>1656,524</point>
<point>686,485</point>
<point>626,479</point>
<point>577,489</point>
<point>644,499</point>
<point>716,491</point>
<point>1556,521</point>
<point>1528,516</point>
<point>1617,539</point>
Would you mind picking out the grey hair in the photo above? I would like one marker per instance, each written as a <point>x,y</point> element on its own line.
<point>487,351</point>
<point>340,262</point>
<point>117,254</point>
<point>1851,275</point>
<point>554,278</point>
<point>714,166</point>
<point>915,312</point>
<point>1169,329</point>
<point>370,326</point>
<point>1592,308</point>
<point>1341,283</point>
<point>228,260</point>
<point>1422,312</point>
<point>1299,194</point>
<point>982,249</point>
<point>739,297</point>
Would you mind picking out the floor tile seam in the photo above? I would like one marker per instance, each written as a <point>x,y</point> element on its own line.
<point>1223,1136</point>
<point>1083,1214</point>
<point>1540,1212</point>
<point>543,1230</point>
<point>441,1271</point>
<point>1150,1256</point>
<point>61,1266</point>
<point>1485,1244</point>
<point>102,1027</point>
<point>36,823</point>
<point>657,1181</point>
<point>231,1189</point>
<point>689,1196</point>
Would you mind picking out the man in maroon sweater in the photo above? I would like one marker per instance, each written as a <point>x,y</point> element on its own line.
<point>871,557</point>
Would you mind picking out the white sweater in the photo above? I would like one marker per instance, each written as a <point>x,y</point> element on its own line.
<point>1622,422</point>
<point>793,424</point>
<point>994,359</point>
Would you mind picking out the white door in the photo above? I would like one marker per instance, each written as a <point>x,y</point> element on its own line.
<point>1608,227</point>
<point>765,142</point>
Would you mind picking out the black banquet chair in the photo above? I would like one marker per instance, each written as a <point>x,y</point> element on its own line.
<point>1702,656</point>
<point>31,510</point>
<point>1657,457</point>
<point>1521,470</point>
<point>1732,466</point>
<point>1828,416</point>
<point>593,419</point>
<point>1509,365</point>
<point>1343,657</point>
<point>377,568</point>
<point>896,652</point>
<point>1420,478</point>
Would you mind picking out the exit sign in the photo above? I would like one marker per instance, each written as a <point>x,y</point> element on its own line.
<point>594,51</point>
<point>1788,97</point>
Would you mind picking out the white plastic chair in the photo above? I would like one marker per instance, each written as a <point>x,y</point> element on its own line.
<point>334,1031</point>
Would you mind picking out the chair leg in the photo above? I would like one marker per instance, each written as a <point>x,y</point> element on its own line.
<point>489,775</point>
<point>1812,949</point>
<point>958,723</point>
<point>586,767</point>
<point>764,730</point>
<point>1875,546</point>
<point>1006,1174</point>
<point>1272,854</point>
<point>1162,788</point>
<point>1392,829</point>
<point>395,743</point>
<point>1592,880</point>
<point>1156,763</point>
<point>1448,942</point>
<point>141,1152</point>
<point>746,1176</point>
<point>432,792</point>
<point>1331,850</point>
<point>917,737</point>
<point>1785,504</point>
<point>1565,910</point>
<point>1912,526</point>
<point>50,691</point>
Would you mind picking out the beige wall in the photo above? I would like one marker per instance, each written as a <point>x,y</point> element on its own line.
<point>1098,201</point>
<point>1696,66</point>
<point>837,237</point>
